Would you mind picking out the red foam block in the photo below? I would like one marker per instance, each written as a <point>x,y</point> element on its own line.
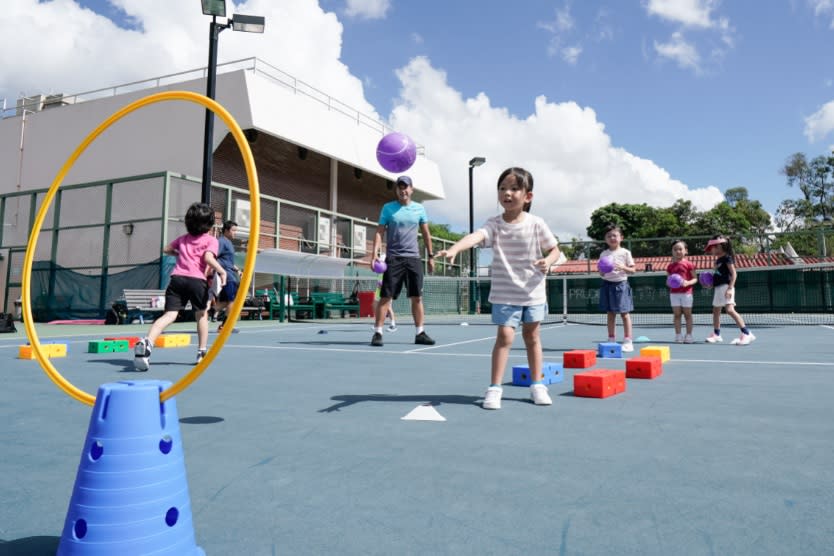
<point>601,383</point>
<point>644,367</point>
<point>579,359</point>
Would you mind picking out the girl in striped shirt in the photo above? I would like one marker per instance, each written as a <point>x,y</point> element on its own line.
<point>519,267</point>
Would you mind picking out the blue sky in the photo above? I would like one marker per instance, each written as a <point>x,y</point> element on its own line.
<point>626,101</point>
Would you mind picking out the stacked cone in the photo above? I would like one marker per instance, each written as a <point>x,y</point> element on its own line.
<point>131,492</point>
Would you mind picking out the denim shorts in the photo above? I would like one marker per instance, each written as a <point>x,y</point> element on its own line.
<point>615,297</point>
<point>512,315</point>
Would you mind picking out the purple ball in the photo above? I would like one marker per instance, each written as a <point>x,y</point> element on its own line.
<point>379,266</point>
<point>674,281</point>
<point>605,264</point>
<point>705,278</point>
<point>396,152</point>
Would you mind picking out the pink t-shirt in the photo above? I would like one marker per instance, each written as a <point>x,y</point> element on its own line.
<point>191,252</point>
<point>686,269</point>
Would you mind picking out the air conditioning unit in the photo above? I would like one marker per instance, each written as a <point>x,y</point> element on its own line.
<point>324,231</point>
<point>30,104</point>
<point>360,240</point>
<point>53,101</point>
<point>242,214</point>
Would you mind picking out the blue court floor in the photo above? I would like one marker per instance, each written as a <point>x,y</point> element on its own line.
<point>294,444</point>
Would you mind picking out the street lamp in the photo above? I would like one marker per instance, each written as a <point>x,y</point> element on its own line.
<point>477,161</point>
<point>238,22</point>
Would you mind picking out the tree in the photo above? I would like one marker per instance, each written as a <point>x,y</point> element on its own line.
<point>791,214</point>
<point>798,172</point>
<point>822,185</point>
<point>442,231</point>
<point>815,180</point>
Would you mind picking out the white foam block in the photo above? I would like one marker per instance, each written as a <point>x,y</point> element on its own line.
<point>423,412</point>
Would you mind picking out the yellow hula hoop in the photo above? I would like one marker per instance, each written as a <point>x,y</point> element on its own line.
<point>251,250</point>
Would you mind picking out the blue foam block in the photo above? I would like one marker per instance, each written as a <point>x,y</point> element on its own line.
<point>551,374</point>
<point>610,350</point>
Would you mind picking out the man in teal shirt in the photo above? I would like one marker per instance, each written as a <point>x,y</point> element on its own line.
<point>400,220</point>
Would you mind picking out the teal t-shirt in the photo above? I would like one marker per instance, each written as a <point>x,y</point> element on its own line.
<point>403,223</point>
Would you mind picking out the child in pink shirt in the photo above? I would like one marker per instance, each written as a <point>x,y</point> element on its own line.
<point>196,254</point>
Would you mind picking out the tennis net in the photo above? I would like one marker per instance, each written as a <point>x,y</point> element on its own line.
<point>772,296</point>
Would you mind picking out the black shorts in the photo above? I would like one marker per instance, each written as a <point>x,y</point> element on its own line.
<point>182,289</point>
<point>408,270</point>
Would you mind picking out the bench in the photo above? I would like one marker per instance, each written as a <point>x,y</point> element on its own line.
<point>144,301</point>
<point>333,301</point>
<point>297,304</point>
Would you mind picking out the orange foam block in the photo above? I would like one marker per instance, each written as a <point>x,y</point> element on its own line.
<point>601,383</point>
<point>579,359</point>
<point>657,351</point>
<point>644,367</point>
<point>50,350</point>
<point>172,340</point>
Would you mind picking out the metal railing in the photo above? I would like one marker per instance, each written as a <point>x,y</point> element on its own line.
<point>36,103</point>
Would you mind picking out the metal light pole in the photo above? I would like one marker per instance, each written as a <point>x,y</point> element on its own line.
<point>238,22</point>
<point>477,161</point>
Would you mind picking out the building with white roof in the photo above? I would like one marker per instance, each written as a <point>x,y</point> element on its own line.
<point>123,200</point>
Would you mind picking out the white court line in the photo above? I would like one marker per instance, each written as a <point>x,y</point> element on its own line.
<point>447,354</point>
<point>464,342</point>
<point>808,364</point>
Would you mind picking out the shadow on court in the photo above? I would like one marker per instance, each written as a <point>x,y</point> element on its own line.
<point>30,546</point>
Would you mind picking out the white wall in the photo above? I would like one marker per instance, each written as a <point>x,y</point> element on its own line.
<point>169,136</point>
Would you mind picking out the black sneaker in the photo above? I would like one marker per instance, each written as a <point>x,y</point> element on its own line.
<point>424,339</point>
<point>376,340</point>
<point>200,354</point>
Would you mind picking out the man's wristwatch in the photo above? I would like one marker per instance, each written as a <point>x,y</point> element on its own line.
<point>430,255</point>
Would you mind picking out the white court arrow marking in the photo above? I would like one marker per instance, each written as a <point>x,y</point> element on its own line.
<point>423,412</point>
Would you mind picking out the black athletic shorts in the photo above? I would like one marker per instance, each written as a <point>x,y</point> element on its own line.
<point>182,289</point>
<point>408,270</point>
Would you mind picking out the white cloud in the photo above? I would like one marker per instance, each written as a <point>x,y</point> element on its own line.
<point>575,166</point>
<point>80,54</point>
<point>570,54</point>
<point>820,123</point>
<point>367,9</point>
<point>679,50</point>
<point>559,27</point>
<point>691,13</point>
<point>695,16</point>
<point>824,9</point>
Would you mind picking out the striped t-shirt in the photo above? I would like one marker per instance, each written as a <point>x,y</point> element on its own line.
<point>515,247</point>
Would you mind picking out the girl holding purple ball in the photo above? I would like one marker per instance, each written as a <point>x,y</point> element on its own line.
<point>680,290</point>
<point>615,293</point>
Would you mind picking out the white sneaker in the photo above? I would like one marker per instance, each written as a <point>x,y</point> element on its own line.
<point>714,339</point>
<point>142,354</point>
<point>744,339</point>
<point>628,346</point>
<point>392,327</point>
<point>688,339</point>
<point>678,339</point>
<point>492,398</point>
<point>539,394</point>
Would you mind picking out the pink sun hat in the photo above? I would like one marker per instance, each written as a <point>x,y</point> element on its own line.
<point>713,242</point>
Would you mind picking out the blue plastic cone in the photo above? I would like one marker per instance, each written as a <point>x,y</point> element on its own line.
<point>131,493</point>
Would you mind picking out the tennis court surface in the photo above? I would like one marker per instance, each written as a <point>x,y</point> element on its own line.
<point>295,444</point>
